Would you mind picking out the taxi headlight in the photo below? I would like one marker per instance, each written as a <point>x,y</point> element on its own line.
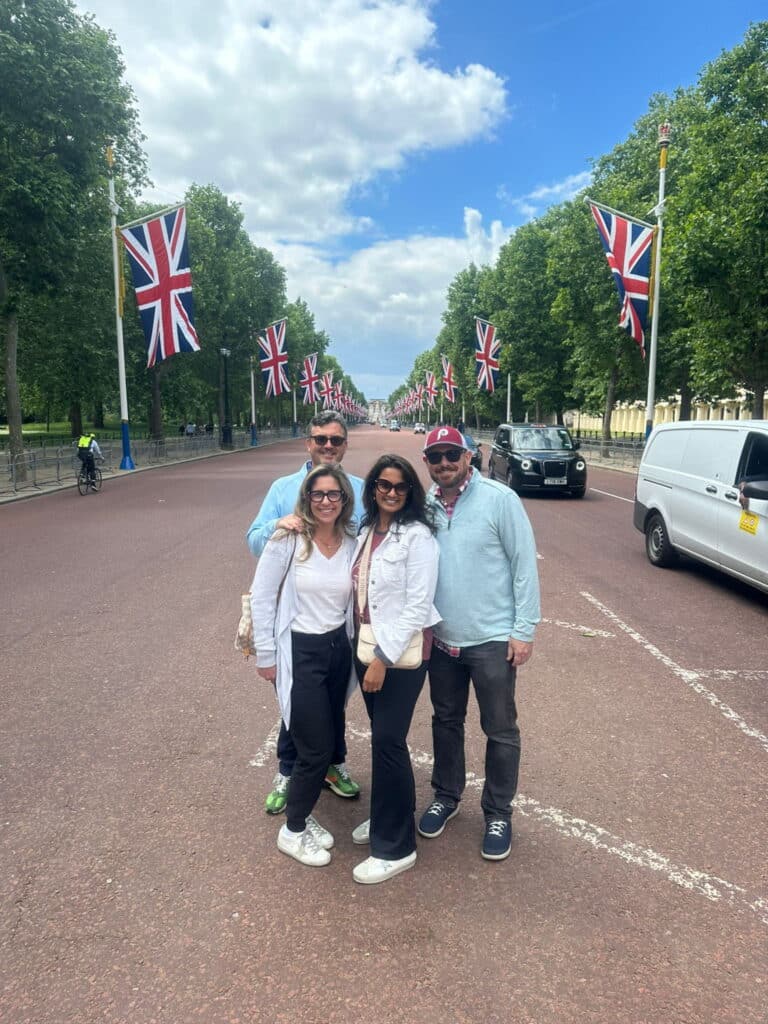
<point>526,464</point>
<point>581,465</point>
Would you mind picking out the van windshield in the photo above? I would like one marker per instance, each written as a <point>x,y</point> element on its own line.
<point>542,439</point>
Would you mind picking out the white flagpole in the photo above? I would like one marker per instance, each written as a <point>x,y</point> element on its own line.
<point>126,462</point>
<point>295,420</point>
<point>254,435</point>
<point>509,397</point>
<point>650,402</point>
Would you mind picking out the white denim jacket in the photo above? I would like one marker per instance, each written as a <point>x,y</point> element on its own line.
<point>401,586</point>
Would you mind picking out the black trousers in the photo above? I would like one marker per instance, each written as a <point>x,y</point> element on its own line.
<point>321,667</point>
<point>393,791</point>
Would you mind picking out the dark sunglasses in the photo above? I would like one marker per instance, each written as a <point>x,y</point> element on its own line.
<point>385,486</point>
<point>452,455</point>
<point>321,440</point>
<point>316,497</point>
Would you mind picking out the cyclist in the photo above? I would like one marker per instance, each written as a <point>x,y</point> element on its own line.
<point>87,451</point>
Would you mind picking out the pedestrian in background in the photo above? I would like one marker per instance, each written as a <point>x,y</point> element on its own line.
<point>302,626</point>
<point>326,445</point>
<point>488,596</point>
<point>395,575</point>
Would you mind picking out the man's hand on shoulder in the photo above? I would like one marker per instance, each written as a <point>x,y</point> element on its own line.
<point>290,522</point>
<point>518,652</point>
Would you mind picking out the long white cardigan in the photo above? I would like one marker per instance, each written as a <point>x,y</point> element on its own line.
<point>272,624</point>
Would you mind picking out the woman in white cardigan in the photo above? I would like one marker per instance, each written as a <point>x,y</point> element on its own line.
<point>302,627</point>
<point>395,575</point>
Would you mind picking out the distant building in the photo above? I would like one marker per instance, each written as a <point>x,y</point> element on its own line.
<point>378,410</point>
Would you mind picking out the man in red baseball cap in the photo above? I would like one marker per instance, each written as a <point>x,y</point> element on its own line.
<point>488,597</point>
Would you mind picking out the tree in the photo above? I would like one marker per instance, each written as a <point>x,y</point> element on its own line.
<point>720,218</point>
<point>62,98</point>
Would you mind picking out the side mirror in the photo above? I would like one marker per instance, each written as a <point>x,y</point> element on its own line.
<point>576,444</point>
<point>757,489</point>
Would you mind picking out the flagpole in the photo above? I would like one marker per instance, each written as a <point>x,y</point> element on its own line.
<point>664,130</point>
<point>254,435</point>
<point>509,397</point>
<point>295,421</point>
<point>126,462</point>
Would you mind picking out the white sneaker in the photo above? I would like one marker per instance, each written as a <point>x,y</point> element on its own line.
<point>362,834</point>
<point>373,869</point>
<point>303,847</point>
<point>323,837</point>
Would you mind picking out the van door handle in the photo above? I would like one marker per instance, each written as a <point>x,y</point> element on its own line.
<point>731,495</point>
<point>711,489</point>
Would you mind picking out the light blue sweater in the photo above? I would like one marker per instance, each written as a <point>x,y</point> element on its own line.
<point>488,584</point>
<point>281,501</point>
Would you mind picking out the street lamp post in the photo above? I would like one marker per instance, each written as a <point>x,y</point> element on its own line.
<point>254,435</point>
<point>226,427</point>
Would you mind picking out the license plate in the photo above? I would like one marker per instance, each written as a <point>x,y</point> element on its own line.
<point>556,481</point>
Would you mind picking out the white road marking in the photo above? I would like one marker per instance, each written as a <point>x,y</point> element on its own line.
<point>688,677</point>
<point>588,630</point>
<point>609,494</point>
<point>267,749</point>
<point>712,888</point>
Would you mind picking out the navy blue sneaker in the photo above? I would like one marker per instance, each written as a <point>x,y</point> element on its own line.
<point>435,818</point>
<point>497,841</point>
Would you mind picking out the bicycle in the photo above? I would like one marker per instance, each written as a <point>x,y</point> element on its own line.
<point>86,482</point>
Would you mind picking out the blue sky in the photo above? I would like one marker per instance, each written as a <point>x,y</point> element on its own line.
<point>377,146</point>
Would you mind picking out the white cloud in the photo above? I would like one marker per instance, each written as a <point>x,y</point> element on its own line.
<point>535,202</point>
<point>291,107</point>
<point>383,304</point>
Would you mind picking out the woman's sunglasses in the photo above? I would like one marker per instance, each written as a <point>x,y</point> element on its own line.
<point>452,455</point>
<point>385,486</point>
<point>321,440</point>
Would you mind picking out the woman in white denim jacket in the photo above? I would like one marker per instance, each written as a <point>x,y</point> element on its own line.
<point>397,555</point>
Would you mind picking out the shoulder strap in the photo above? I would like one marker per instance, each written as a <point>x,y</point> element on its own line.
<point>362,574</point>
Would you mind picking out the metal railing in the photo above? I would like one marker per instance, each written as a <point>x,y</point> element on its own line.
<point>44,466</point>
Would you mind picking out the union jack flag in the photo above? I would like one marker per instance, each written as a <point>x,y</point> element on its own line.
<point>310,380</point>
<point>627,244</point>
<point>159,257</point>
<point>338,391</point>
<point>326,391</point>
<point>487,355</point>
<point>449,385</point>
<point>430,390</point>
<point>272,344</point>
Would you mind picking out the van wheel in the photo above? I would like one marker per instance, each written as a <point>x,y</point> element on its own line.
<point>657,546</point>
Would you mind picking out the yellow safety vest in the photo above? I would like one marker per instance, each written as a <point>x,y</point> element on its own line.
<point>85,441</point>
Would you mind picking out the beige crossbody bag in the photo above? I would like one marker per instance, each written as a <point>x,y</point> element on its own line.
<point>366,641</point>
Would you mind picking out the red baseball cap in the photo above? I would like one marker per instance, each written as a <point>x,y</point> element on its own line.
<point>445,435</point>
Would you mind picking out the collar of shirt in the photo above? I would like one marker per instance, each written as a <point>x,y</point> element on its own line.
<point>450,505</point>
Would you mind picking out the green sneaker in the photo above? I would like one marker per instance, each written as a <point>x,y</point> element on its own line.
<point>278,798</point>
<point>338,779</point>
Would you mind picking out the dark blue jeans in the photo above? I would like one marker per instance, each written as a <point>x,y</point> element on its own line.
<point>393,791</point>
<point>493,678</point>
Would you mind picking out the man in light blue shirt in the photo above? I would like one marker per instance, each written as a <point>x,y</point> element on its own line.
<point>488,597</point>
<point>327,446</point>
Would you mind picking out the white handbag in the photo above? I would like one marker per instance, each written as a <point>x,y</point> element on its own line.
<point>366,640</point>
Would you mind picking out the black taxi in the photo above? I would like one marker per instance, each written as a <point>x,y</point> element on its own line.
<point>537,457</point>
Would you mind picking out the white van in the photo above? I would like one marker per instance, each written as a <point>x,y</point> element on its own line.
<point>688,496</point>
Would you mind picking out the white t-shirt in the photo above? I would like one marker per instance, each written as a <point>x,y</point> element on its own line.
<point>324,589</point>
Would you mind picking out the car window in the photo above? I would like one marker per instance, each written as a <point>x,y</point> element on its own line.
<point>543,438</point>
<point>754,459</point>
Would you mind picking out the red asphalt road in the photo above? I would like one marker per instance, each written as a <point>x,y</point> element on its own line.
<point>139,875</point>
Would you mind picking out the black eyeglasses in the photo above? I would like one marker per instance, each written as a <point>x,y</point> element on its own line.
<point>316,497</point>
<point>385,486</point>
<point>321,440</point>
<point>452,455</point>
